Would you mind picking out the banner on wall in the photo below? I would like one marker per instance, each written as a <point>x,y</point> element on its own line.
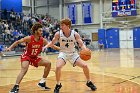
<point>123,8</point>
<point>16,5</point>
<point>72,12</point>
<point>87,12</point>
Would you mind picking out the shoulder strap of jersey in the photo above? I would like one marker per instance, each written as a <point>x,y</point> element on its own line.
<point>32,38</point>
<point>41,39</point>
<point>59,34</point>
<point>74,34</point>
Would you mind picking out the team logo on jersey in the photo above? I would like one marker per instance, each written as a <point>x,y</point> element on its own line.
<point>35,46</point>
<point>67,40</point>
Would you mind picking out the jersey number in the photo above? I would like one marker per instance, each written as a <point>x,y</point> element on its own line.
<point>34,51</point>
<point>67,45</point>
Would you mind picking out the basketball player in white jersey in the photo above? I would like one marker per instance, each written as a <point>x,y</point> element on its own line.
<point>67,39</point>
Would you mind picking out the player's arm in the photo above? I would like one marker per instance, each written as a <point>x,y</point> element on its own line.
<point>48,45</point>
<point>45,42</point>
<point>22,40</point>
<point>80,42</point>
<point>56,47</point>
<point>52,43</point>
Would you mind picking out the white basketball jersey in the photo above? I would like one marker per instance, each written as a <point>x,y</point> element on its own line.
<point>67,44</point>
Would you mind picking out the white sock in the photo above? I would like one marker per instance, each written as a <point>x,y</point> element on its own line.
<point>58,83</point>
<point>16,84</point>
<point>88,81</point>
<point>42,80</point>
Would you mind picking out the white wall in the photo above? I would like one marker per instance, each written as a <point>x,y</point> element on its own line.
<point>26,3</point>
<point>85,29</point>
<point>26,10</point>
<point>54,12</point>
<point>79,14</point>
<point>41,10</point>
<point>42,7</point>
<point>107,6</point>
<point>126,38</point>
<point>95,12</point>
<point>26,7</point>
<point>40,2</point>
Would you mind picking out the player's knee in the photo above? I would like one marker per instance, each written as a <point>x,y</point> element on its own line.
<point>58,67</point>
<point>48,64</point>
<point>85,66</point>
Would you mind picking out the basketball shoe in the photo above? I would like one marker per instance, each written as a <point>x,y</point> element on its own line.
<point>15,89</point>
<point>91,85</point>
<point>57,87</point>
<point>43,86</point>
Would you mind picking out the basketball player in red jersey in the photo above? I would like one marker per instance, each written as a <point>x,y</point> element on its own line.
<point>34,44</point>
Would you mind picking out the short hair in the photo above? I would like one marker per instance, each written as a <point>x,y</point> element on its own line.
<point>66,21</point>
<point>35,27</point>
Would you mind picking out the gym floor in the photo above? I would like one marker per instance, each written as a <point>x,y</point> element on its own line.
<point>112,71</point>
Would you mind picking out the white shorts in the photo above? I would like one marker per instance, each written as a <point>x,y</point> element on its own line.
<point>71,57</point>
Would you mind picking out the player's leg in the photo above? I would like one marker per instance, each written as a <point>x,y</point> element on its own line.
<point>85,68</point>
<point>60,63</point>
<point>47,65</point>
<point>24,69</point>
<point>102,47</point>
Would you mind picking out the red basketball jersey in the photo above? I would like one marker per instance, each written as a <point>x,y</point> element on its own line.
<point>34,47</point>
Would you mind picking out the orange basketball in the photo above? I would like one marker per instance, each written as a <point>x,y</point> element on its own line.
<point>85,54</point>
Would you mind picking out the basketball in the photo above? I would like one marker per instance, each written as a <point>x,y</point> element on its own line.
<point>85,54</point>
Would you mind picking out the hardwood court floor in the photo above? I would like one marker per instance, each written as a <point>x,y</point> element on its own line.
<point>112,70</point>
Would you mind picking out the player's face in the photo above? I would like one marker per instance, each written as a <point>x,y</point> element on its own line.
<point>64,27</point>
<point>39,32</point>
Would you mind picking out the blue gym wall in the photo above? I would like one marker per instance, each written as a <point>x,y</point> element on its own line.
<point>101,35</point>
<point>9,4</point>
<point>136,37</point>
<point>110,37</point>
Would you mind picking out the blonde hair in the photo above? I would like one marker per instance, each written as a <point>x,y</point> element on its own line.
<point>66,21</point>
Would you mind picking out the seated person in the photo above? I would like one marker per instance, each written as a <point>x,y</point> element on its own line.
<point>101,45</point>
<point>1,51</point>
<point>86,41</point>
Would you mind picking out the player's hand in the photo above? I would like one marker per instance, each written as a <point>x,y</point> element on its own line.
<point>43,49</point>
<point>8,49</point>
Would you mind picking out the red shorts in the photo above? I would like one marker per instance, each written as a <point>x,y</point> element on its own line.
<point>32,61</point>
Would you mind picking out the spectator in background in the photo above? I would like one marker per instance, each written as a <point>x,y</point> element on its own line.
<point>21,35</point>
<point>7,31</point>
<point>1,51</point>
<point>25,27</point>
<point>5,13</point>
<point>76,30</point>
<point>101,45</point>
<point>1,27</point>
<point>15,35</point>
<point>86,40</point>
<point>76,44</point>
<point>3,38</point>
